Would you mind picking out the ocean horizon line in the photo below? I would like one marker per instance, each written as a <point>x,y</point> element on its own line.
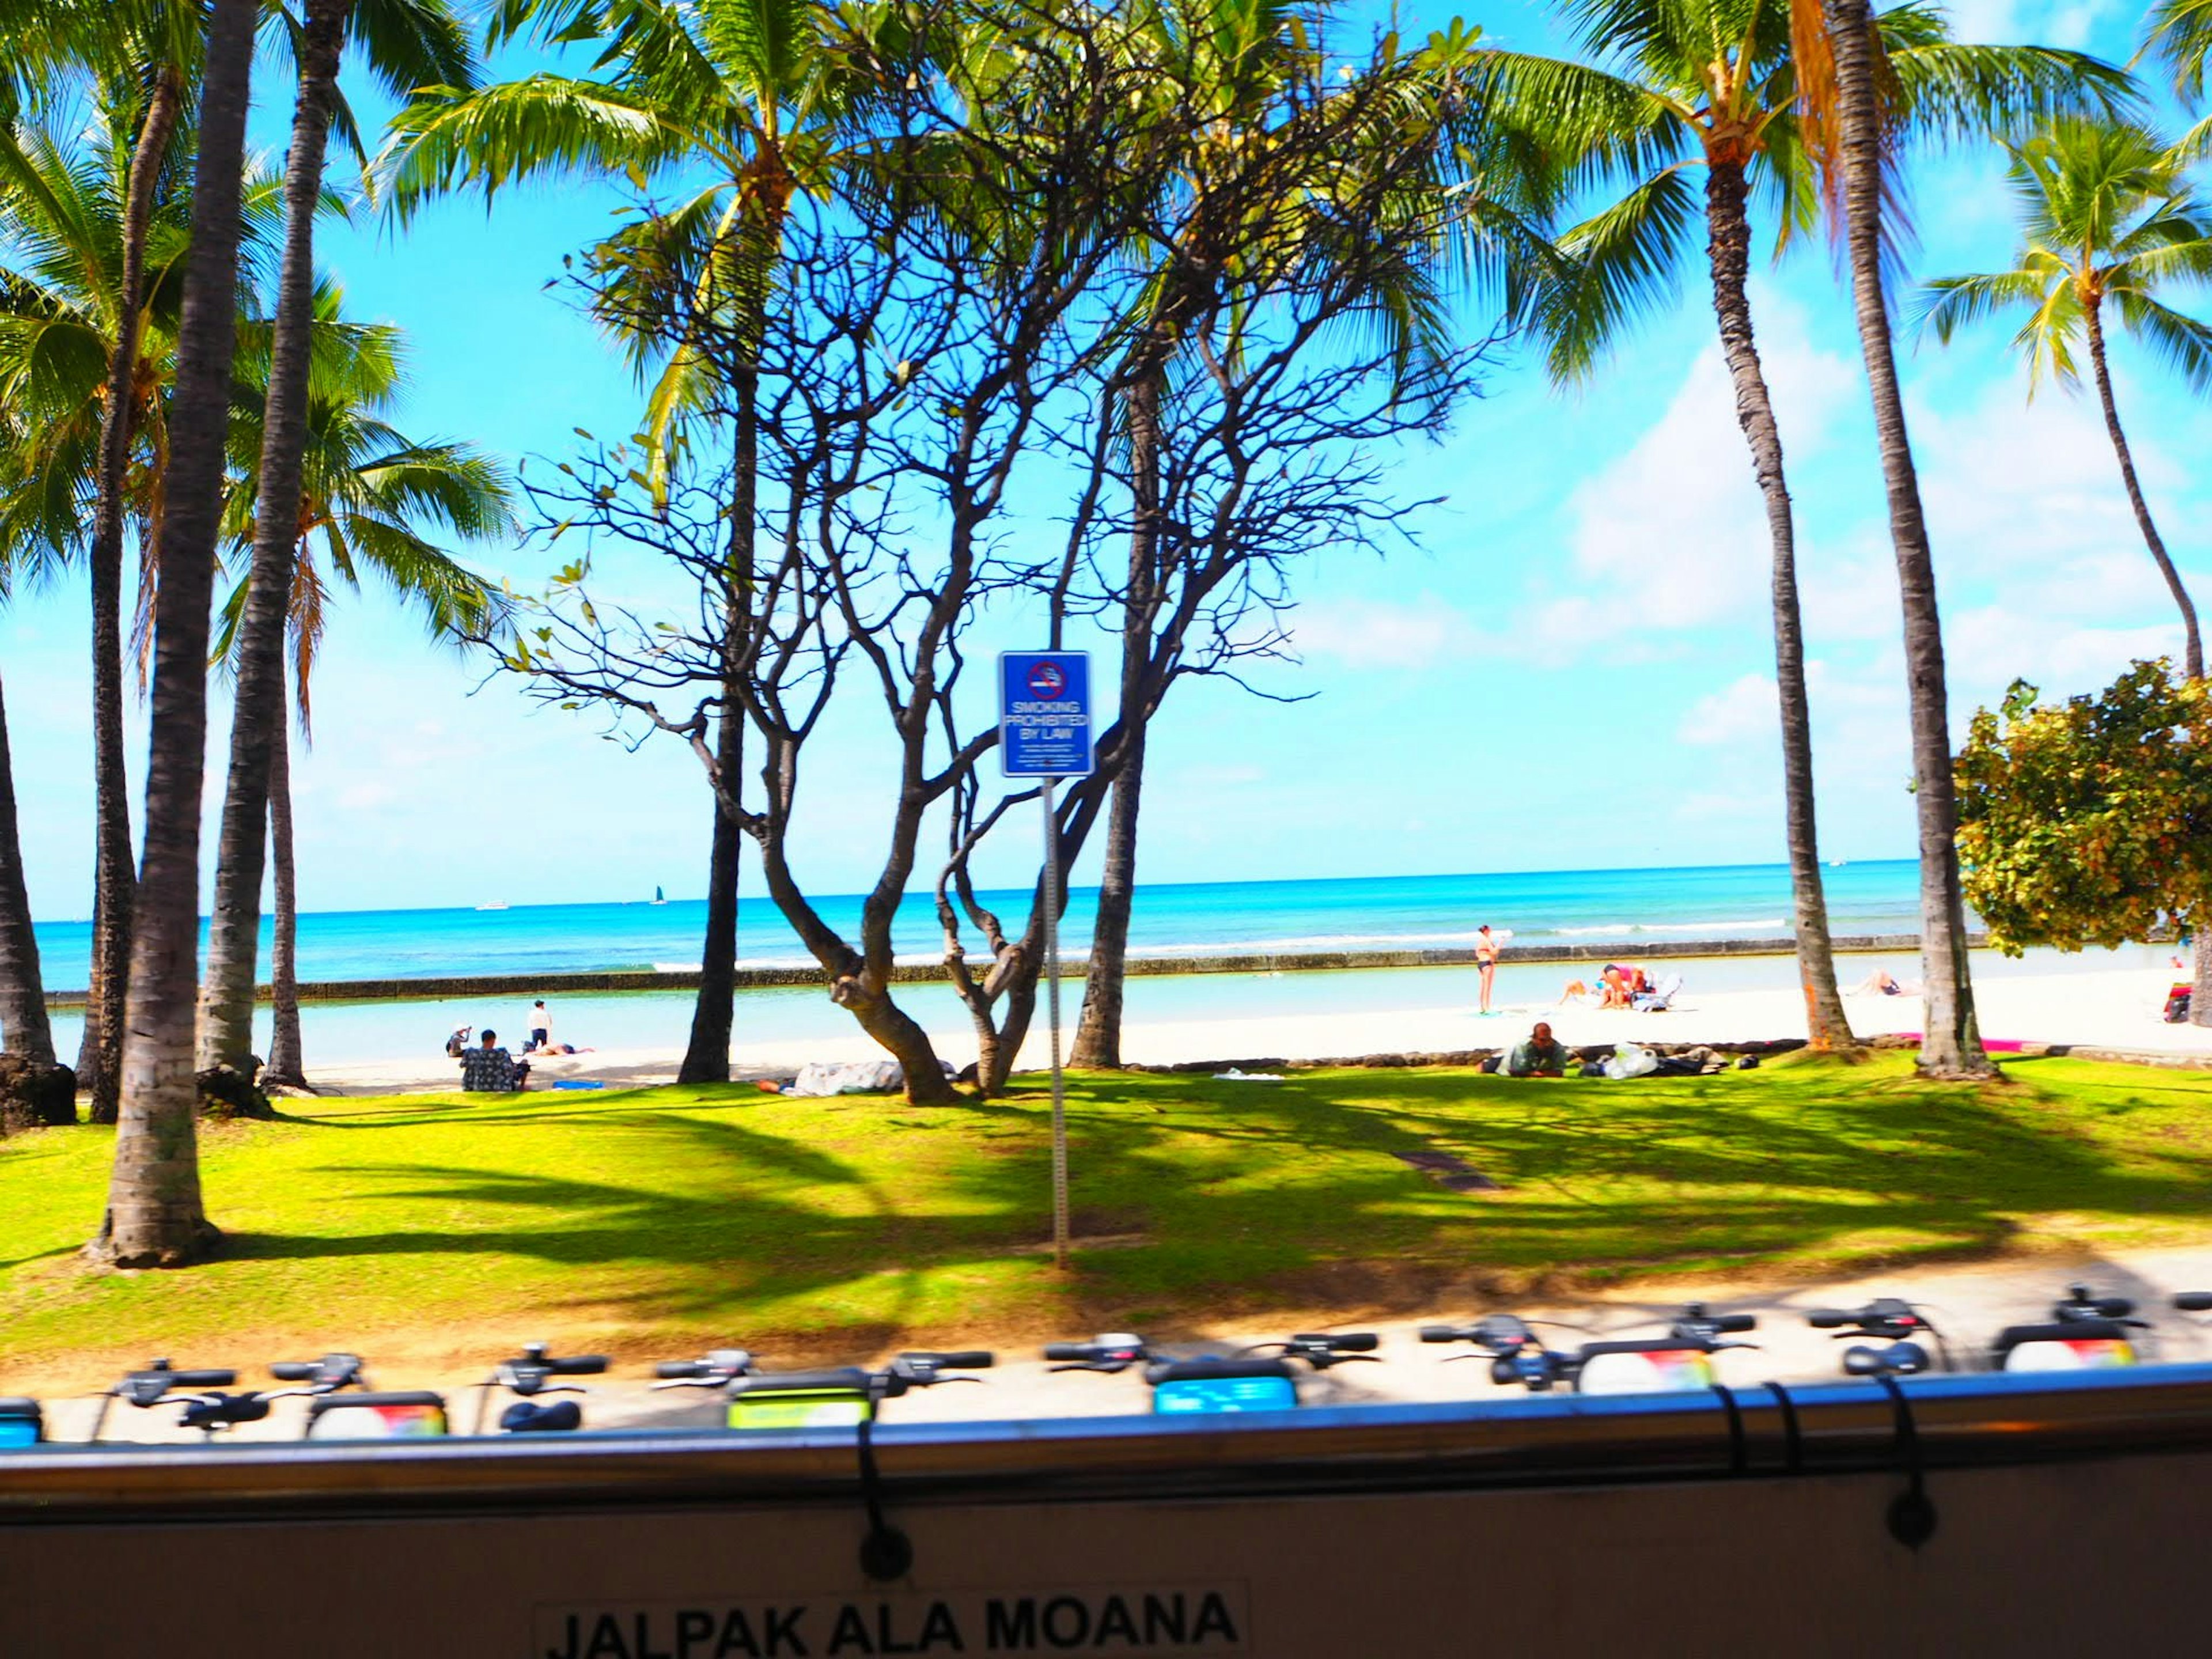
<point>1078,890</point>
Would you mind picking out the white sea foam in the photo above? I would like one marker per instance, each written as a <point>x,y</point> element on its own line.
<point>1676,927</point>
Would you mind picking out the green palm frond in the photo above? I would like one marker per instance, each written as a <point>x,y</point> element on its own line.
<point>2179,32</point>
<point>1948,93</point>
<point>1951,303</point>
<point>2182,343</point>
<point>1621,266</point>
<point>546,125</point>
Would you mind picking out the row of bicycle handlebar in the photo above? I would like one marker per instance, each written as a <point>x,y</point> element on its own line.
<point>2084,1331</point>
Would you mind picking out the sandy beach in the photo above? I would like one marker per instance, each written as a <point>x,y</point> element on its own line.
<point>2088,1005</point>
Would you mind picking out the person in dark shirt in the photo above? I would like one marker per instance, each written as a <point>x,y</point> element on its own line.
<point>488,1069</point>
<point>1541,1055</point>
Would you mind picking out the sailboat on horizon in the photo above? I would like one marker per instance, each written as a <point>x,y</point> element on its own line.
<point>660,897</point>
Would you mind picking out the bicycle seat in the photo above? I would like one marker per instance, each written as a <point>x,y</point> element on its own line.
<point>527,1417</point>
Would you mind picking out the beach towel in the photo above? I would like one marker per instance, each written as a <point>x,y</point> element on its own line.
<point>818,1078</point>
<point>1657,1001</point>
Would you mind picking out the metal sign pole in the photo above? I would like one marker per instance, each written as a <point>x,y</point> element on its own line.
<point>1052,1023</point>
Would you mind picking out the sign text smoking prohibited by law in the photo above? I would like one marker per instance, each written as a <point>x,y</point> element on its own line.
<point>1044,714</point>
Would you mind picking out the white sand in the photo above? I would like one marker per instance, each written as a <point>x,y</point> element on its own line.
<point>2110,1008</point>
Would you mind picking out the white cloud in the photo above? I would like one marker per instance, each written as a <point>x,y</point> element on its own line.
<point>1743,711</point>
<point>1381,633</point>
<point>1673,535</point>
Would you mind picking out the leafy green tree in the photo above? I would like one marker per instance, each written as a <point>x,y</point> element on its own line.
<point>2107,216</point>
<point>372,501</point>
<point>2090,822</point>
<point>408,44</point>
<point>1713,85</point>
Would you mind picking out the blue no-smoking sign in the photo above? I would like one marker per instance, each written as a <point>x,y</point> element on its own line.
<point>1044,714</point>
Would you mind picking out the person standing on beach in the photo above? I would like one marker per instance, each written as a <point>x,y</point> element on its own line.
<point>541,1026</point>
<point>1486,962</point>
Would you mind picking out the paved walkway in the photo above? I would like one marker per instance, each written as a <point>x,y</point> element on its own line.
<point>1968,1303</point>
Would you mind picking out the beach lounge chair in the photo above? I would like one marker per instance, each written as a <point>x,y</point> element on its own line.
<point>1660,998</point>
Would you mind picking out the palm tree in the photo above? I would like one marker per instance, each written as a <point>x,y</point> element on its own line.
<point>371,499</point>
<point>410,43</point>
<point>1852,139</point>
<point>155,1216</point>
<point>2107,214</point>
<point>752,97</point>
<point>1713,85</point>
<point>154,48</point>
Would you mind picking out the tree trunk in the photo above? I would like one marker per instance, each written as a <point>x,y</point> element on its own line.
<point>1827,1025</point>
<point>99,1054</point>
<point>1951,1041</point>
<point>154,1216</point>
<point>23,1027</point>
<point>2193,647</point>
<point>1098,1028</point>
<point>706,1059</point>
<point>226,1007</point>
<point>2200,995</point>
<point>285,1062</point>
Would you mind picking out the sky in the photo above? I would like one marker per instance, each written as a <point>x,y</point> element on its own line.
<point>1573,670</point>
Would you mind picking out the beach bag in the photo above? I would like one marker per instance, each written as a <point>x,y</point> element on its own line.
<point>1631,1060</point>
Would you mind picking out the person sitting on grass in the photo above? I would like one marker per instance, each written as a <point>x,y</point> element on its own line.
<point>1541,1055</point>
<point>488,1069</point>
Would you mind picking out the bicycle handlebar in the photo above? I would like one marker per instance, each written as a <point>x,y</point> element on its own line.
<point>206,1379</point>
<point>1348,1342</point>
<point>961,1359</point>
<point>1074,1352</point>
<point>2194,1302</point>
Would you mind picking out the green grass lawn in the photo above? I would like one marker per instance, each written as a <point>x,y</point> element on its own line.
<point>434,1230</point>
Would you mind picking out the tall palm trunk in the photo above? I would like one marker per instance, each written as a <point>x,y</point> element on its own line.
<point>24,1029</point>
<point>2193,644</point>
<point>707,1058</point>
<point>99,1054</point>
<point>154,1214</point>
<point>226,1007</point>
<point>285,1062</point>
<point>1098,1031</point>
<point>35,1091</point>
<point>1951,1039</point>
<point>1827,1024</point>
<point>2200,998</point>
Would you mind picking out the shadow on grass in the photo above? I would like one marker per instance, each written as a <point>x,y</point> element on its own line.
<point>1252,1193</point>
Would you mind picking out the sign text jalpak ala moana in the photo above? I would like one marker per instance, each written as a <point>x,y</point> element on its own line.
<point>1174,1620</point>
<point>1044,714</point>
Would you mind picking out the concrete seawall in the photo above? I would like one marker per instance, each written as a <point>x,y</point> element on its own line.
<point>1285,962</point>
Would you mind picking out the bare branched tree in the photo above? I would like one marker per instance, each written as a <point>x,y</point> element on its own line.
<point>930,346</point>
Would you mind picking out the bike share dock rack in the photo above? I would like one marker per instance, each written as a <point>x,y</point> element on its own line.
<point>1552,1515</point>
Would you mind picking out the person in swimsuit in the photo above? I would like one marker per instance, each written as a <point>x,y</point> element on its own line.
<point>1486,962</point>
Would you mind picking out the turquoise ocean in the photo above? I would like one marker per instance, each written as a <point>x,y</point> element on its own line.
<point>1618,908</point>
<point>1370,913</point>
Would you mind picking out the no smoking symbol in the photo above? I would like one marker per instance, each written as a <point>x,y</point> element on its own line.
<point>1046,680</point>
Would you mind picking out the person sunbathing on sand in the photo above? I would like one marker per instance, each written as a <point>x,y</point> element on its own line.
<point>1617,986</point>
<point>1887,983</point>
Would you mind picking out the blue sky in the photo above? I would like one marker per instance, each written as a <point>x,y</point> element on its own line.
<point>1574,670</point>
